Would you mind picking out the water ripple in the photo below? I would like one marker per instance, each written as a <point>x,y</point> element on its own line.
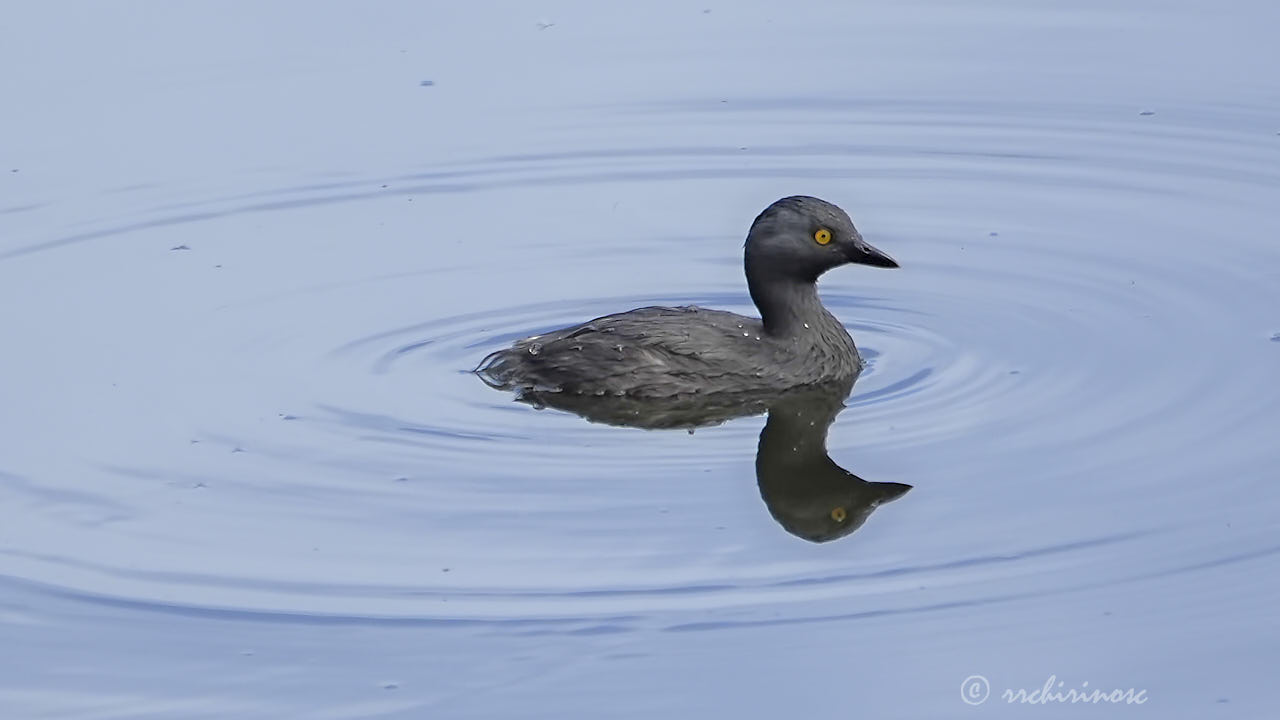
<point>1051,335</point>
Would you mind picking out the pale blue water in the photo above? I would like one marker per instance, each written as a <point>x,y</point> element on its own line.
<point>247,255</point>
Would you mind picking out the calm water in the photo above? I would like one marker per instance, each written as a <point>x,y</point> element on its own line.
<point>248,255</point>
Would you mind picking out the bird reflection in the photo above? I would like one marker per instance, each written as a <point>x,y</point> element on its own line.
<point>805,491</point>
<point>809,495</point>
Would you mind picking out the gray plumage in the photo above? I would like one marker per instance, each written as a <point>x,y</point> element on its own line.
<point>662,352</point>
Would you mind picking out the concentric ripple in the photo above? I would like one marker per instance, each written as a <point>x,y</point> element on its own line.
<point>297,435</point>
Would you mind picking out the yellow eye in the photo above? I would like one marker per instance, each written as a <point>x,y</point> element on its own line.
<point>839,514</point>
<point>823,236</point>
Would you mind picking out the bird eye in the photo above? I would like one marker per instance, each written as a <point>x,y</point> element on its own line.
<point>839,514</point>
<point>823,236</point>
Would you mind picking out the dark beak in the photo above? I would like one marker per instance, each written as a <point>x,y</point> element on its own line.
<point>889,491</point>
<point>864,254</point>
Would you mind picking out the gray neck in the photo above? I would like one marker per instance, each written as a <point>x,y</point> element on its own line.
<point>788,307</point>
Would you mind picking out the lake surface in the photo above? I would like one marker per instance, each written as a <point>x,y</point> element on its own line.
<point>249,255</point>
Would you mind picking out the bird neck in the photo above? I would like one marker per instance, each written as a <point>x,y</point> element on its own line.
<point>788,306</point>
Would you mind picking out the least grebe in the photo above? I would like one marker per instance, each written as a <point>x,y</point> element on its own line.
<point>657,352</point>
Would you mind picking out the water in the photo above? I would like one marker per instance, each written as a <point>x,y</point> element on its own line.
<point>245,265</point>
